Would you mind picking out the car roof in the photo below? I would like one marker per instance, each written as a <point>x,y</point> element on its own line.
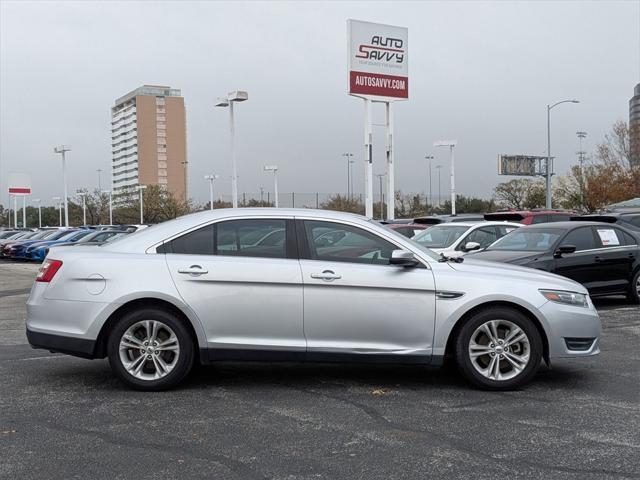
<point>565,225</point>
<point>147,237</point>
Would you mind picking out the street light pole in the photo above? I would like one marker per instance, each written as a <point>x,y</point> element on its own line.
<point>99,183</point>
<point>450,144</point>
<point>37,200</point>
<point>83,195</point>
<point>439,167</point>
<point>57,199</point>
<point>274,169</point>
<point>211,178</point>
<point>549,168</point>
<point>140,194</point>
<point>349,179</point>
<point>430,158</point>
<point>380,177</point>
<point>228,101</point>
<point>110,192</point>
<point>62,149</point>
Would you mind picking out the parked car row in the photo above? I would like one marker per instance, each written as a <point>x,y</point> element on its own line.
<point>35,244</point>
<point>600,251</point>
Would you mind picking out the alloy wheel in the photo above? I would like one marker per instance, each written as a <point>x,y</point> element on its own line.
<point>499,350</point>
<point>149,350</point>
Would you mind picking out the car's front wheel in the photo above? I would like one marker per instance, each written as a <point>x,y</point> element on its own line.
<point>498,348</point>
<point>150,349</point>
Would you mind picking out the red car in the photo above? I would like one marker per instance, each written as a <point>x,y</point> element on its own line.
<point>531,217</point>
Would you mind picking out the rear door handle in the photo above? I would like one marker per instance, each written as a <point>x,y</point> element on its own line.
<point>193,270</point>
<point>326,275</point>
<point>598,259</point>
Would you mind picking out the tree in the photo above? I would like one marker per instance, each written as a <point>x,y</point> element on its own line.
<point>610,177</point>
<point>521,193</point>
<point>158,206</point>
<point>343,203</point>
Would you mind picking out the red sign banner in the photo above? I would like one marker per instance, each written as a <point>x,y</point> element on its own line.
<point>378,84</point>
<point>24,191</point>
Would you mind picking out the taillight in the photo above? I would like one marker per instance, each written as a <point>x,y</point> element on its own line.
<point>48,269</point>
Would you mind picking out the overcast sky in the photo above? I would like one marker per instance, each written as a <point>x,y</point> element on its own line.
<point>480,72</point>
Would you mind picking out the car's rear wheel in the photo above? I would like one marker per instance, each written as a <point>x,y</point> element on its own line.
<point>150,349</point>
<point>498,348</point>
<point>634,289</point>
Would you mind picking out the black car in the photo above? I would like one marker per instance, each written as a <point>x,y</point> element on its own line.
<point>629,219</point>
<point>604,258</point>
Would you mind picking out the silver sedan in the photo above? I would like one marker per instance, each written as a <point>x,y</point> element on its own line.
<point>288,284</point>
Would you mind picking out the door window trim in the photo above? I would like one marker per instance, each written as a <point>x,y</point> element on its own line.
<point>291,242</point>
<point>305,254</point>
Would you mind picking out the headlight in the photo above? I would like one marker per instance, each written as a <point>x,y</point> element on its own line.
<point>567,298</point>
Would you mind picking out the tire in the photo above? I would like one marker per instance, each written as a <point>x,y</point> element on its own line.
<point>492,365</point>
<point>168,362</point>
<point>634,289</point>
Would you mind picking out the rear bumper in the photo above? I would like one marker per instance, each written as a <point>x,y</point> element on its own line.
<point>78,347</point>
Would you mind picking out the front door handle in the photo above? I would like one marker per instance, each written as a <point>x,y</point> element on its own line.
<point>193,270</point>
<point>327,275</point>
<point>598,259</point>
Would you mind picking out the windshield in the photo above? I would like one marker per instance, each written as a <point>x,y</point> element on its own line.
<point>524,240</point>
<point>440,236</point>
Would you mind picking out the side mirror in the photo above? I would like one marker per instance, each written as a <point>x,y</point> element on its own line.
<point>471,246</point>
<point>564,249</point>
<point>403,258</point>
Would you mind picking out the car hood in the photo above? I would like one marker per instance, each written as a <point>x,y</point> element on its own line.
<point>506,256</point>
<point>495,269</point>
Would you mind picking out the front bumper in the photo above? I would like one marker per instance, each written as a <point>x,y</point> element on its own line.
<point>570,329</point>
<point>78,347</point>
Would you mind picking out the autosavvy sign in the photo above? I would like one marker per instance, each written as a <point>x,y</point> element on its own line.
<point>378,60</point>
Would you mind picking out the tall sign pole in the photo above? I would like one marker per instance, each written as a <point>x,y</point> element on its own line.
<point>378,73</point>
<point>19,186</point>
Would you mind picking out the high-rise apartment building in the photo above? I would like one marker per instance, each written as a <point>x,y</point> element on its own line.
<point>634,125</point>
<point>149,140</point>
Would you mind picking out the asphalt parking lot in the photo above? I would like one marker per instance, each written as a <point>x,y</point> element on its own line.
<point>62,417</point>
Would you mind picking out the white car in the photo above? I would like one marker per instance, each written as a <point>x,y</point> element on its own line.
<point>456,239</point>
<point>335,287</point>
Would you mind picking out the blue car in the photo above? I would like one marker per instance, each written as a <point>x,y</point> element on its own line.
<point>10,248</point>
<point>38,250</point>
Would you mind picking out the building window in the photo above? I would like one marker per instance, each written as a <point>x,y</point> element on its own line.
<point>162,164</point>
<point>162,180</point>
<point>161,126</point>
<point>160,101</point>
<point>162,172</point>
<point>162,156</point>
<point>161,133</point>
<point>162,149</point>
<point>160,118</point>
<point>160,110</point>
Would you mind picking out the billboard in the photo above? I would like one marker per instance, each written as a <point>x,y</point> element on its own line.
<point>378,61</point>
<point>522,165</point>
<point>19,183</point>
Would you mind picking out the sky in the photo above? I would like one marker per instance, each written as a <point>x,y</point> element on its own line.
<point>479,72</point>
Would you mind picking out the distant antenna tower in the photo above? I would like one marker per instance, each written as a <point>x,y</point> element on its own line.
<point>581,153</point>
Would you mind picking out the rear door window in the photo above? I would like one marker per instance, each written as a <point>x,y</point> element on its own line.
<point>582,238</point>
